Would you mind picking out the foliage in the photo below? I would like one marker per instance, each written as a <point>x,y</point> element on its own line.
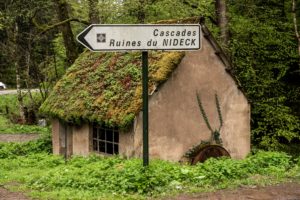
<point>106,87</point>
<point>264,52</point>
<point>165,9</point>
<point>18,43</point>
<point>7,127</point>
<point>12,150</point>
<point>9,108</point>
<point>95,177</point>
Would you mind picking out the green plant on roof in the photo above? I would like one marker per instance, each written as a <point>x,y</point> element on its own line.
<point>106,87</point>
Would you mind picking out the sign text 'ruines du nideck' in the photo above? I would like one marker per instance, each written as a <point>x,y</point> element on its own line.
<point>141,37</point>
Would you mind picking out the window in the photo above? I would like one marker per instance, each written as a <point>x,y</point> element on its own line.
<point>105,140</point>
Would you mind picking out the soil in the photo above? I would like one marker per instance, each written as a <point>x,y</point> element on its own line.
<point>283,191</point>
<point>7,195</point>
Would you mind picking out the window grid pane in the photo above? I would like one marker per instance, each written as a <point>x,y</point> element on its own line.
<point>105,140</point>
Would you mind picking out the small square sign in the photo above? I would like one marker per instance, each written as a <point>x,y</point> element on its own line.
<point>101,37</point>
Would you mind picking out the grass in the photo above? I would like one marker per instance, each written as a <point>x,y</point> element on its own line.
<point>46,176</point>
<point>9,101</point>
<point>6,127</point>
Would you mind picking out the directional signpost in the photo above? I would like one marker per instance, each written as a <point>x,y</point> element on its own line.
<point>143,37</point>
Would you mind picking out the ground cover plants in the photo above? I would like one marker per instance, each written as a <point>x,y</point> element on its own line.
<point>7,127</point>
<point>94,177</point>
<point>12,150</point>
<point>9,115</point>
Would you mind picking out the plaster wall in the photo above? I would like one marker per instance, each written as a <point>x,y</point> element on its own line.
<point>82,140</point>
<point>59,133</point>
<point>55,137</point>
<point>126,141</point>
<point>175,121</point>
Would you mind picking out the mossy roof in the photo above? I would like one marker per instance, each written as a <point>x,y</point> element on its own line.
<point>106,87</point>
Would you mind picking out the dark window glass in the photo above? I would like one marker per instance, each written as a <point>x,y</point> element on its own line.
<point>95,145</point>
<point>116,149</point>
<point>109,147</point>
<point>109,136</point>
<point>116,136</point>
<point>102,147</point>
<point>102,134</point>
<point>95,132</point>
<point>105,140</point>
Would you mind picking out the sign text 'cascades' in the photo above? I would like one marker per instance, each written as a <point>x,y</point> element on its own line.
<point>141,37</point>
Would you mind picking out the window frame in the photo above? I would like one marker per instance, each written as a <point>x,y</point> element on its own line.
<point>107,132</point>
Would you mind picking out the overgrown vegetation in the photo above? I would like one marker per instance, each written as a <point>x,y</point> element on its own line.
<point>94,177</point>
<point>9,117</point>
<point>106,87</point>
<point>12,150</point>
<point>7,126</point>
<point>264,51</point>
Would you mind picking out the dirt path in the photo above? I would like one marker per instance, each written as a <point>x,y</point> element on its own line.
<point>283,191</point>
<point>7,195</point>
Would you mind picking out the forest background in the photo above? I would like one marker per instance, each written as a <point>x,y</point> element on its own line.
<point>261,37</point>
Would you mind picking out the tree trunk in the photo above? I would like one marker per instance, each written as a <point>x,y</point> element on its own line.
<point>28,61</point>
<point>141,11</point>
<point>222,21</point>
<point>296,24</point>
<point>18,82</point>
<point>93,12</point>
<point>69,42</point>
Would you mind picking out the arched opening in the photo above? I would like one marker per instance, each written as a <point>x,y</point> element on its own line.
<point>209,151</point>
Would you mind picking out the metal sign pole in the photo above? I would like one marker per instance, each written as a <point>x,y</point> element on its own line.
<point>145,108</point>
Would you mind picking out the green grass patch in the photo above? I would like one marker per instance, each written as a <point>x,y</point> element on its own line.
<point>11,150</point>
<point>9,113</point>
<point>7,127</point>
<point>9,104</point>
<point>47,176</point>
<point>8,101</point>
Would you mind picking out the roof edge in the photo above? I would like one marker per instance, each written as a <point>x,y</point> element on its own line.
<point>221,54</point>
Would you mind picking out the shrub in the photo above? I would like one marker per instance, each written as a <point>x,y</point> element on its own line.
<point>12,150</point>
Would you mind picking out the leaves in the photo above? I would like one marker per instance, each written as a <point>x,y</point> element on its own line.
<point>98,176</point>
<point>264,53</point>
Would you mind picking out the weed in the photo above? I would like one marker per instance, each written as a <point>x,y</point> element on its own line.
<point>95,177</point>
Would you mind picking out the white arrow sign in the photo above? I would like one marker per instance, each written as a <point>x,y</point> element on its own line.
<point>99,37</point>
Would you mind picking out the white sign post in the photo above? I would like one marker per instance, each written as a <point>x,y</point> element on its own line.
<point>143,37</point>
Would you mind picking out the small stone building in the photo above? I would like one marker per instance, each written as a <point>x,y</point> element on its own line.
<point>96,106</point>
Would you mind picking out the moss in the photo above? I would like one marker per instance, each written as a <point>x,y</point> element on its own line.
<point>106,87</point>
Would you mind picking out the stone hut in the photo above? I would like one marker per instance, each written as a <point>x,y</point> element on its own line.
<point>194,102</point>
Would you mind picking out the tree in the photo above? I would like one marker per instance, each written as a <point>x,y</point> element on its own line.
<point>294,2</point>
<point>222,21</point>
<point>265,54</point>
<point>93,12</point>
<point>23,48</point>
<point>66,30</point>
